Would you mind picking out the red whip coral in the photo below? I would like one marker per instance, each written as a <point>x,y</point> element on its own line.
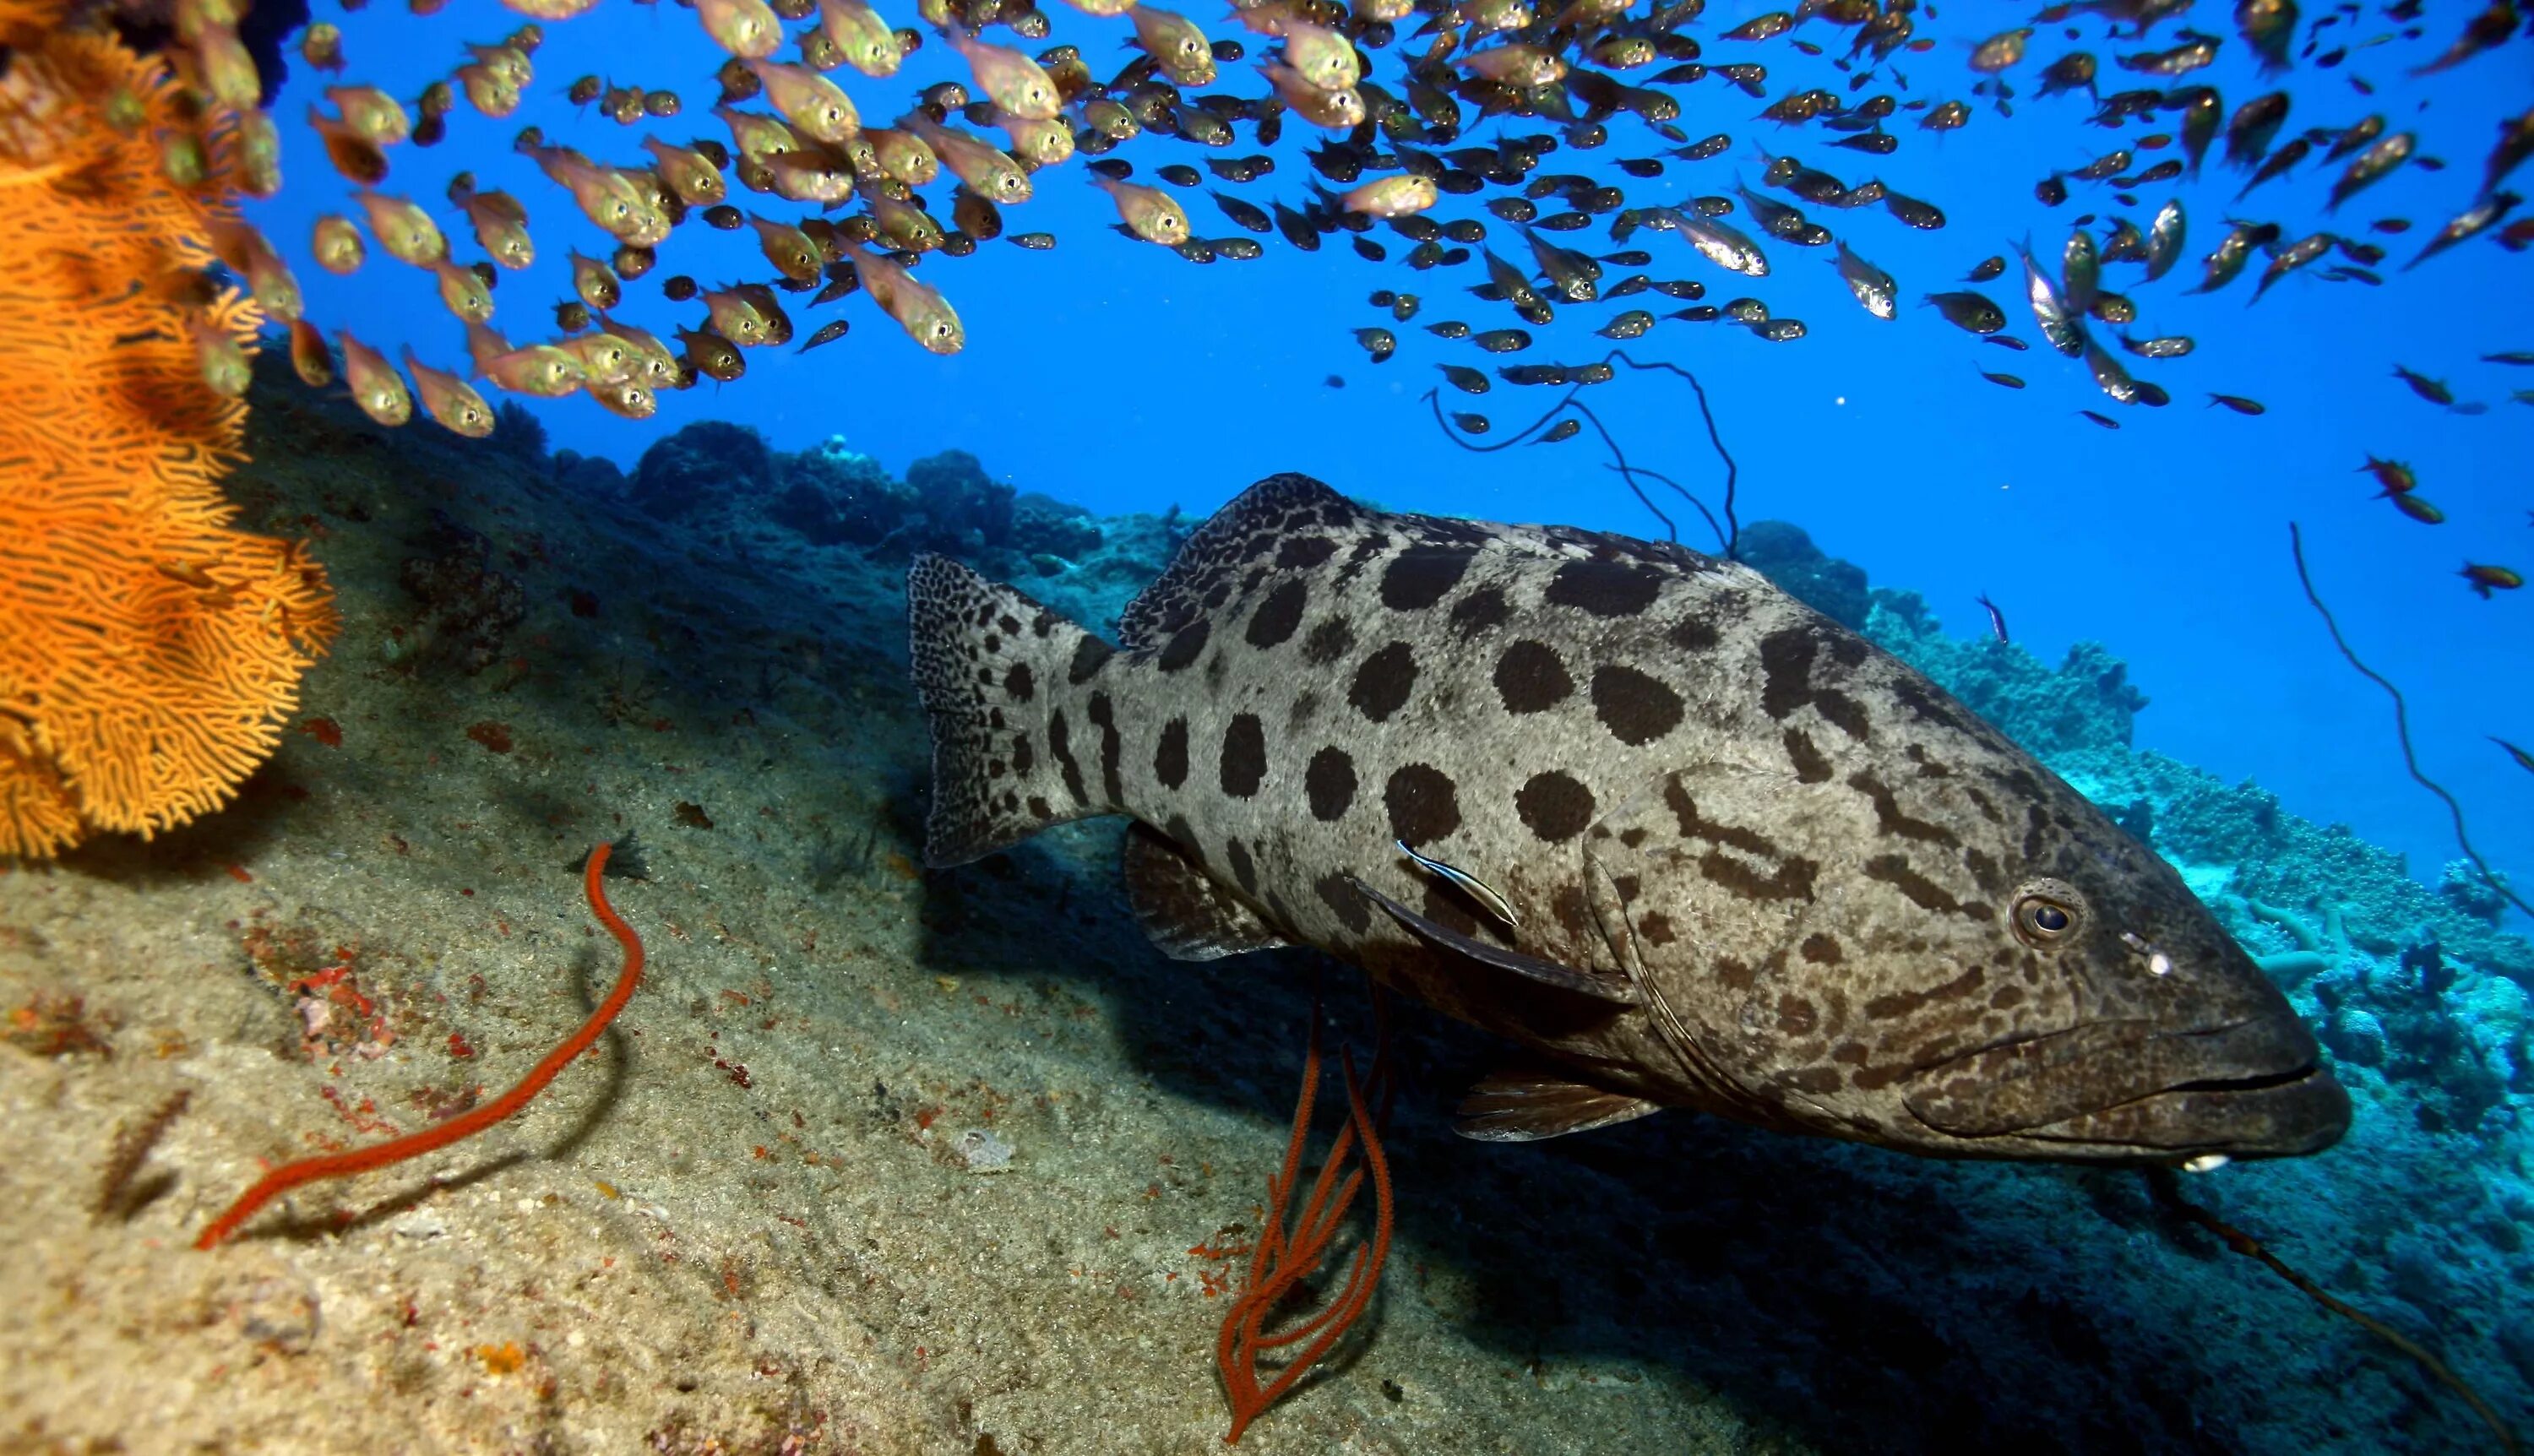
<point>152,650</point>
<point>466,1125</point>
<point>1282,1260</point>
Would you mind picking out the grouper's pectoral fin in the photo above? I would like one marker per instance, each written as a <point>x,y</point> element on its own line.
<point>1526,1104</point>
<point>1187,916</point>
<point>1546,972</point>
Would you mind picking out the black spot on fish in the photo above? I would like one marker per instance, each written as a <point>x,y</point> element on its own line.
<point>1530,677</point>
<point>1423,803</point>
<point>1421,576</point>
<point>1888,818</point>
<point>1924,704</point>
<point>1822,949</point>
<point>1786,667</point>
<point>1060,743</point>
<point>1345,901</point>
<point>1328,641</point>
<point>1694,634</point>
<point>1556,804</point>
<point>1024,757</point>
<point>1901,1003</point>
<point>1102,715</point>
<point>1793,880</point>
<point>1366,548</point>
<point>1480,611</point>
<point>1984,869</point>
<point>1573,915</point>
<point>1301,554</point>
<point>1280,614</point>
<point>1894,869</point>
<point>1170,755</point>
<point>1020,682</point>
<point>1810,766</point>
<point>1606,588</point>
<point>1242,869</point>
<point>1656,926</point>
<point>1382,681</point>
<point>1695,825</point>
<point>1184,645</point>
<point>1244,755</point>
<point>1845,713</point>
<point>1329,782</point>
<point>1797,1016</point>
<point>1634,708</point>
<point>1088,655</point>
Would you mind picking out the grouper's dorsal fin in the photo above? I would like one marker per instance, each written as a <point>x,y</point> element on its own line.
<point>1546,972</point>
<point>1292,518</point>
<point>1527,1103</point>
<point>1187,916</point>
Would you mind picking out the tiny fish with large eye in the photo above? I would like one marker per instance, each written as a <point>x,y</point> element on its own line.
<point>1684,840</point>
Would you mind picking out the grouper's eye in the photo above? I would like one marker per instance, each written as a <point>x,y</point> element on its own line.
<point>2047,914</point>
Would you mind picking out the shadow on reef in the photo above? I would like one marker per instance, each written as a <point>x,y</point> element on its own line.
<point>1856,1299</point>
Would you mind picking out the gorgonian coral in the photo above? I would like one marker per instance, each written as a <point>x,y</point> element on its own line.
<point>152,649</point>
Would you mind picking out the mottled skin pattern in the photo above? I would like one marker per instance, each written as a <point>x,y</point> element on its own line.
<point>1823,895</point>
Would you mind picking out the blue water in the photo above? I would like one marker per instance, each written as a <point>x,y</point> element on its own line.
<point>1110,373</point>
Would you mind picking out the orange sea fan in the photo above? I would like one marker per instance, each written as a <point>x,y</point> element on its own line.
<point>148,651</point>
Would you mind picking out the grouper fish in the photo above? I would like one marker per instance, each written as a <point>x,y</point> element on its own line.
<point>1739,859</point>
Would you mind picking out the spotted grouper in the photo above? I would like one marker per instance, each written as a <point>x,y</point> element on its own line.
<point>1684,840</point>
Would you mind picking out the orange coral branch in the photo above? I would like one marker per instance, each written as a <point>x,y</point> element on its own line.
<point>153,651</point>
<point>466,1125</point>
<point>1283,1259</point>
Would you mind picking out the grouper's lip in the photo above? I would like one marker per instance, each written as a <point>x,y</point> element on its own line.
<point>2272,1118</point>
<point>2252,1088</point>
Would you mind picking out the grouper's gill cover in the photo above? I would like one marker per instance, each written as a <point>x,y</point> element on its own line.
<point>1754,864</point>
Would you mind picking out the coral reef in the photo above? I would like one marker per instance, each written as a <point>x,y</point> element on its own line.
<point>966,510</point>
<point>725,481</point>
<point>2085,703</point>
<point>152,650</point>
<point>1784,553</point>
<point>703,462</point>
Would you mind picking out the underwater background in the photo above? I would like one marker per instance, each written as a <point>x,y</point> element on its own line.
<point>882,1158</point>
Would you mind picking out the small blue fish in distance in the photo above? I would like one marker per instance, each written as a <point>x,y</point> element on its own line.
<point>1995,617</point>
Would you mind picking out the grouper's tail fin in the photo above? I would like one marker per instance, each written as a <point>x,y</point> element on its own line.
<point>993,668</point>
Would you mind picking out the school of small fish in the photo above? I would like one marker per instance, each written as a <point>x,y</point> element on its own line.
<point>1398,151</point>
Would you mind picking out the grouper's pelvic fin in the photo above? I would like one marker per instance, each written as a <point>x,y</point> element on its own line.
<point>994,669</point>
<point>1525,1104</point>
<point>1186,915</point>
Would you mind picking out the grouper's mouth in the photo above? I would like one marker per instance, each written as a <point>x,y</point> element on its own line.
<point>2126,1089</point>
